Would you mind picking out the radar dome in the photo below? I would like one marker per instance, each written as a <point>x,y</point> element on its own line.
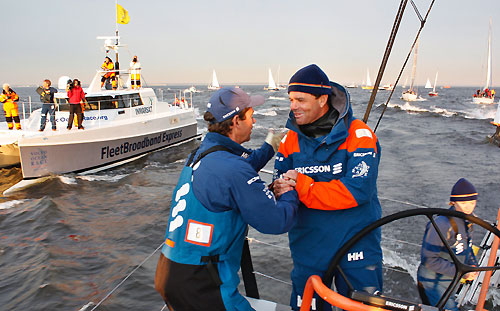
<point>62,82</point>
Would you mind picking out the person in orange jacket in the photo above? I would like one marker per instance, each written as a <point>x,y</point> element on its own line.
<point>108,67</point>
<point>9,98</point>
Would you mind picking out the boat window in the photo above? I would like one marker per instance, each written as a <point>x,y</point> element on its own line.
<point>131,100</point>
<point>106,102</point>
<point>103,102</point>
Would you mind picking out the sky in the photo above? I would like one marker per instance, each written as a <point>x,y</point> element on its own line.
<point>181,42</point>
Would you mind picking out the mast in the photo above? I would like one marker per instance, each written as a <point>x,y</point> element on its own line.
<point>414,67</point>
<point>488,73</point>
<point>117,64</point>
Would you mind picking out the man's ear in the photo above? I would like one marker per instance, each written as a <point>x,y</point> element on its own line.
<point>323,99</point>
<point>236,120</point>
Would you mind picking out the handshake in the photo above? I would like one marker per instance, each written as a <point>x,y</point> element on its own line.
<point>286,183</point>
<point>288,180</point>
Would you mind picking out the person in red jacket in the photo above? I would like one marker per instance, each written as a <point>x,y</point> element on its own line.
<point>75,96</point>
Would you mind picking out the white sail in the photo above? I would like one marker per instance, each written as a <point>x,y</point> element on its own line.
<point>272,84</point>
<point>435,82</point>
<point>368,81</point>
<point>414,68</point>
<point>428,84</point>
<point>488,73</point>
<point>486,97</point>
<point>215,82</point>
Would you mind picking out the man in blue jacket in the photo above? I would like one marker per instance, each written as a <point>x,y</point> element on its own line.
<point>437,269</point>
<point>218,194</point>
<point>332,160</point>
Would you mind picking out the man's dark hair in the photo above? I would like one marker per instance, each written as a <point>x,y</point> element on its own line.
<point>223,127</point>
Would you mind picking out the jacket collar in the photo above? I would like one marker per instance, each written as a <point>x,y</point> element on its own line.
<point>211,139</point>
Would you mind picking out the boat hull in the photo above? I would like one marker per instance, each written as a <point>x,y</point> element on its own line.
<point>9,155</point>
<point>409,97</point>
<point>433,94</point>
<point>483,100</point>
<point>79,151</point>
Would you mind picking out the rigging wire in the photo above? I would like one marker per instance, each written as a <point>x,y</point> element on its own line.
<point>272,278</point>
<point>382,67</point>
<point>392,38</point>
<point>119,284</point>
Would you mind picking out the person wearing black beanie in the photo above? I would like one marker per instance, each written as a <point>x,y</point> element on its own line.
<point>436,270</point>
<point>331,159</point>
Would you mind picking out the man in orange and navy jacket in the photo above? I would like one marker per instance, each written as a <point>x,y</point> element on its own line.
<point>331,159</point>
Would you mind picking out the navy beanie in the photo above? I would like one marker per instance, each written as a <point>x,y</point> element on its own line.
<point>463,190</point>
<point>310,79</point>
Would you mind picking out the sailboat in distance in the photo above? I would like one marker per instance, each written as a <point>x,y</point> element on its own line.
<point>411,95</point>
<point>433,92</point>
<point>271,86</point>
<point>368,85</point>
<point>428,84</point>
<point>214,85</point>
<point>487,96</point>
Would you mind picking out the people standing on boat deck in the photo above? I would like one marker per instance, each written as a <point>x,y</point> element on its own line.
<point>332,160</point>
<point>219,193</point>
<point>436,269</point>
<point>76,97</point>
<point>49,104</point>
<point>135,73</point>
<point>108,68</point>
<point>9,98</point>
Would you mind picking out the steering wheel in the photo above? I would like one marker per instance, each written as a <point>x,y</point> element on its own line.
<point>461,268</point>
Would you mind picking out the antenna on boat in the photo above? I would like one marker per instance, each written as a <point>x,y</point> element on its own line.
<point>117,43</point>
<point>388,49</point>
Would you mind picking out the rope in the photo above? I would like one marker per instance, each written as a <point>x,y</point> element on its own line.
<point>397,270</point>
<point>422,23</point>
<point>250,240</point>
<point>404,242</point>
<point>403,202</point>
<point>272,278</point>
<point>116,287</point>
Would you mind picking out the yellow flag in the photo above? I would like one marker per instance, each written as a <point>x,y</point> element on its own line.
<point>121,15</point>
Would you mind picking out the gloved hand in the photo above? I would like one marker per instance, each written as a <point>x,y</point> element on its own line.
<point>274,139</point>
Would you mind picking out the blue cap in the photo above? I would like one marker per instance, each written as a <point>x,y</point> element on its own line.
<point>227,102</point>
<point>463,190</point>
<point>310,79</point>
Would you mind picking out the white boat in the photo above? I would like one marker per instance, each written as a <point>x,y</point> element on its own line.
<point>388,87</point>
<point>411,94</point>
<point>9,151</point>
<point>433,93</point>
<point>191,89</point>
<point>368,85</point>
<point>214,85</point>
<point>495,138</point>
<point>486,97</point>
<point>271,86</point>
<point>120,126</point>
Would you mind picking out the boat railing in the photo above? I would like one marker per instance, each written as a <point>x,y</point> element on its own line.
<point>94,103</point>
<point>314,284</point>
